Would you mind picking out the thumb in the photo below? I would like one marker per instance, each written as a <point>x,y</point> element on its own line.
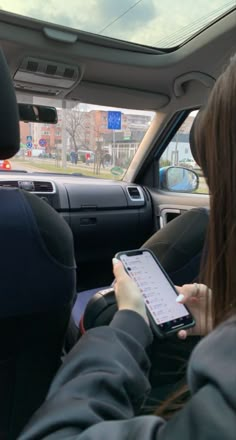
<point>118,269</point>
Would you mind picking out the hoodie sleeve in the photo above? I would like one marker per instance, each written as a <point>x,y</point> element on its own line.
<point>211,412</point>
<point>104,377</point>
<point>104,381</point>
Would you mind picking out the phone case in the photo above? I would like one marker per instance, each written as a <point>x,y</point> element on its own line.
<point>153,324</point>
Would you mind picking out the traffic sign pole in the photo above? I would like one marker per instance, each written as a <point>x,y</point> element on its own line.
<point>114,123</point>
<point>113,146</point>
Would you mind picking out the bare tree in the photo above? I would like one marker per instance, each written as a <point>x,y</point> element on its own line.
<point>98,158</point>
<point>77,122</point>
<point>98,136</point>
<point>75,127</point>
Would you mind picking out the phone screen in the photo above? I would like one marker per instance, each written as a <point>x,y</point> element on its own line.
<point>158,293</point>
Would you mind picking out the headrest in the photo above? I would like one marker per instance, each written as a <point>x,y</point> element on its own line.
<point>32,280</point>
<point>9,120</point>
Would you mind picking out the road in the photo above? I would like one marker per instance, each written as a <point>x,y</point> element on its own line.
<point>25,166</point>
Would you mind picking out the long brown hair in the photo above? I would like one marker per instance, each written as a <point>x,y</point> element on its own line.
<point>215,137</point>
<point>215,143</point>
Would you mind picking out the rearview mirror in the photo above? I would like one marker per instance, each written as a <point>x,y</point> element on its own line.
<point>178,179</point>
<point>37,113</point>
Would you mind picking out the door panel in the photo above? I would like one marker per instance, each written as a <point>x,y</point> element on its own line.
<point>168,205</point>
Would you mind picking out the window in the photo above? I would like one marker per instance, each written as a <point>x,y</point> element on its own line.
<point>178,153</point>
<point>82,127</point>
<point>157,24</point>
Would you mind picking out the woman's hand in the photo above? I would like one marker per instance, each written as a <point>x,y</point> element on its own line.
<point>197,298</point>
<point>128,295</point>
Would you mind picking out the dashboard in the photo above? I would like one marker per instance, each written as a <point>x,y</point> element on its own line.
<point>105,217</point>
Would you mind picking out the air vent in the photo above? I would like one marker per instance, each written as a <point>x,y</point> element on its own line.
<point>28,185</point>
<point>9,183</point>
<point>136,196</point>
<point>32,66</point>
<point>43,187</point>
<point>146,194</point>
<point>51,69</point>
<point>134,193</point>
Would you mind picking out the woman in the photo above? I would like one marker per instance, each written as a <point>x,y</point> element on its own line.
<point>103,383</point>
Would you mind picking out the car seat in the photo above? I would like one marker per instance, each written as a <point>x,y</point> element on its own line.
<point>37,285</point>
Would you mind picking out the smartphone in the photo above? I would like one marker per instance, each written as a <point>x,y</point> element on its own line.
<point>165,314</point>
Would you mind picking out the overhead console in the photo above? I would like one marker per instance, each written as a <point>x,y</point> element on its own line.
<point>46,77</point>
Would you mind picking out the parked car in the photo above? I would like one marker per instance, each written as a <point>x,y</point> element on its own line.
<point>5,165</point>
<point>187,163</point>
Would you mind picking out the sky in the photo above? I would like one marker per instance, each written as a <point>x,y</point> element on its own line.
<point>150,22</point>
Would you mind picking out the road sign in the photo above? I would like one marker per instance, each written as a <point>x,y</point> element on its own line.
<point>114,120</point>
<point>127,134</point>
<point>29,145</point>
<point>29,138</point>
<point>42,142</point>
<point>117,171</point>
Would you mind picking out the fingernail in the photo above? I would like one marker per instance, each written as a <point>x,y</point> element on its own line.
<point>182,334</point>
<point>115,260</point>
<point>180,298</point>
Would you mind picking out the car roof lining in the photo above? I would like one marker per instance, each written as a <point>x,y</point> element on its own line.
<point>120,76</point>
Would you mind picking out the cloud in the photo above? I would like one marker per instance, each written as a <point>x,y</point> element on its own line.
<point>129,14</point>
<point>150,22</point>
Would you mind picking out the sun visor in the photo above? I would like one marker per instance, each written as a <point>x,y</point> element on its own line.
<point>9,120</point>
<point>103,94</point>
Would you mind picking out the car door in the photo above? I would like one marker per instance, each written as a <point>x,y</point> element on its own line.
<point>172,150</point>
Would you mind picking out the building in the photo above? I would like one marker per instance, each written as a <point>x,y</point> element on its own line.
<point>179,148</point>
<point>88,129</point>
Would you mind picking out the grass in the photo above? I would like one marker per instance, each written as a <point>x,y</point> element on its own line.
<point>69,170</point>
<point>203,188</point>
<point>202,191</point>
<point>88,171</point>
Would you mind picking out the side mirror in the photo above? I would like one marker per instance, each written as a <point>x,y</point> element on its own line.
<point>37,113</point>
<point>178,179</point>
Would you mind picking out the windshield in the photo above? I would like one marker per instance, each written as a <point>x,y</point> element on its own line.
<point>162,24</point>
<point>88,140</point>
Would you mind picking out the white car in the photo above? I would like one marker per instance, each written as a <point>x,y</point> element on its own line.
<point>189,163</point>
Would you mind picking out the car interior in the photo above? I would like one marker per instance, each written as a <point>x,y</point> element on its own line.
<point>43,61</point>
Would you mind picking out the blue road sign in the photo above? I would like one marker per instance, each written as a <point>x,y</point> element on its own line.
<point>29,138</point>
<point>29,145</point>
<point>42,142</point>
<point>114,120</point>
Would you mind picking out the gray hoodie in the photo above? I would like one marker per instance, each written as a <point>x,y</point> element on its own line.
<point>103,384</point>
